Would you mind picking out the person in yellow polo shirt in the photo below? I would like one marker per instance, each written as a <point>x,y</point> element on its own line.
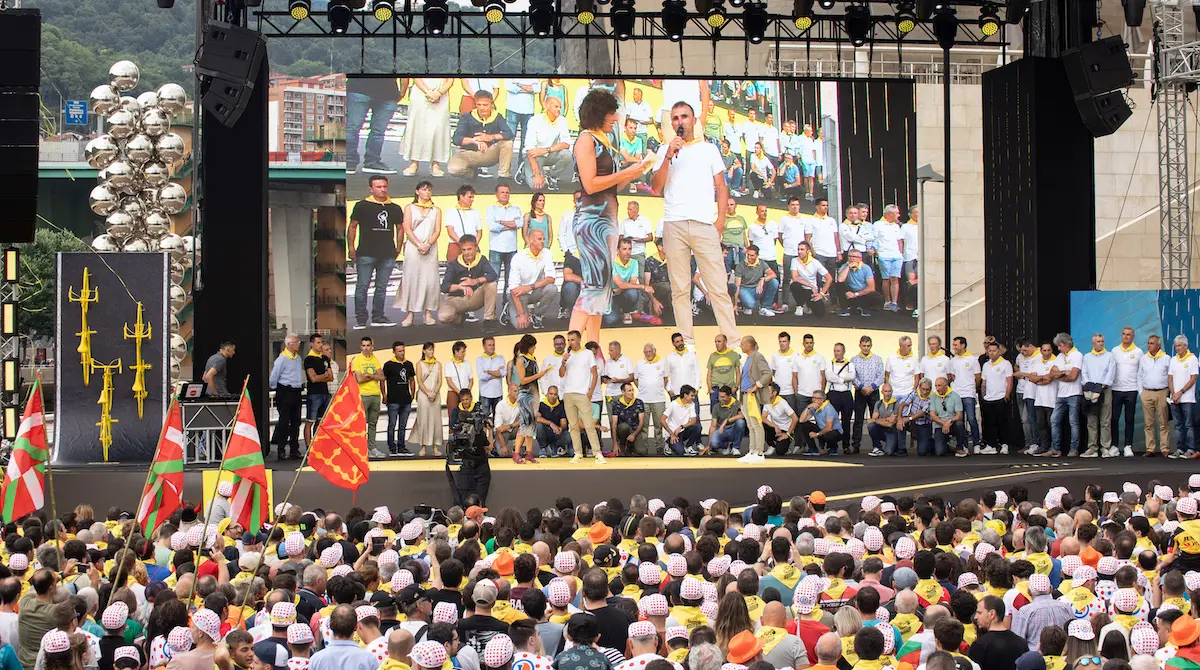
<point>368,372</point>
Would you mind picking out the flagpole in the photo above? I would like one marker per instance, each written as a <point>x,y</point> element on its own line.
<point>149,471</point>
<point>50,481</point>
<point>209,507</point>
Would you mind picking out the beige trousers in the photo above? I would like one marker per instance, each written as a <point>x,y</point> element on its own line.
<point>453,308</point>
<point>757,437</point>
<point>466,160</point>
<point>1154,406</point>
<point>683,239</point>
<point>579,416</point>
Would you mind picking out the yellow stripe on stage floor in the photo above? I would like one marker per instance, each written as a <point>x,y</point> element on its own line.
<point>630,463</point>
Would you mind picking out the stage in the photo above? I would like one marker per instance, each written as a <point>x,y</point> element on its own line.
<point>845,480</point>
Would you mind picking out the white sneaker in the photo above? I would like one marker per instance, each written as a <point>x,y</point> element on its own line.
<point>876,452</point>
<point>747,312</point>
<point>765,312</point>
<point>1128,451</point>
<point>577,458</point>
<point>800,311</point>
<point>1004,450</point>
<point>748,458</point>
<point>600,459</point>
<point>758,458</point>
<point>978,450</point>
<point>1092,453</point>
<point>986,451</point>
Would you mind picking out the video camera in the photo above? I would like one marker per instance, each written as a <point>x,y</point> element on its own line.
<point>464,436</point>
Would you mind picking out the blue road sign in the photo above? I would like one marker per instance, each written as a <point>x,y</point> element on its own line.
<point>77,112</point>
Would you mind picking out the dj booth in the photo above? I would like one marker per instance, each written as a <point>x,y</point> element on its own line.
<point>207,422</point>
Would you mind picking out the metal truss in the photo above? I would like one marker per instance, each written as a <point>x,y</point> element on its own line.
<point>1176,69</point>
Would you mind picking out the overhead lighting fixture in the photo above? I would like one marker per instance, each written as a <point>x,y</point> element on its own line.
<point>585,11</point>
<point>339,16</point>
<point>541,17</point>
<point>802,15</point>
<point>436,13</point>
<point>827,4</point>
<point>858,24</point>
<point>906,18</point>
<point>989,19</point>
<point>12,264</point>
<point>299,9</point>
<point>945,27</point>
<point>674,18</point>
<point>383,10</point>
<point>493,11</point>
<point>713,12</point>
<point>1015,10</point>
<point>12,376</point>
<point>925,9</point>
<point>622,18</point>
<point>754,22</point>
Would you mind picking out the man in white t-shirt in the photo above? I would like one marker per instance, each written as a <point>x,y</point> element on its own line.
<point>639,110</point>
<point>1068,371</point>
<point>910,232</point>
<point>650,378</point>
<point>683,369</point>
<point>507,421</point>
<point>1127,358</point>
<point>997,377</point>
<point>1181,387</point>
<point>580,376</point>
<point>770,138</point>
<point>639,231</point>
<point>690,91</point>
<point>690,174</point>
<point>552,363</point>
<point>811,283</point>
<point>548,157</point>
<point>533,293</point>
<point>889,248</point>
<point>751,130</point>
<point>901,368</point>
<point>1045,393</point>
<point>618,369</point>
<point>682,424</point>
<point>462,220</point>
<point>810,372</point>
<point>821,232</point>
<point>783,367</point>
<point>809,160</point>
<point>964,379</point>
<point>935,363</point>
<point>792,229</point>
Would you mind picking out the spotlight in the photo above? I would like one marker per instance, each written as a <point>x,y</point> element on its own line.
<point>754,22</point>
<point>802,14</point>
<point>1015,10</point>
<point>906,19</point>
<point>737,3</point>
<point>383,10</point>
<point>622,19</point>
<point>339,16</point>
<point>714,13</point>
<point>493,10</point>
<point>12,378</point>
<point>300,9</point>
<point>945,27</point>
<point>541,16</point>
<point>585,11</point>
<point>436,13</point>
<point>827,4</point>
<point>12,263</point>
<point>989,19</point>
<point>858,24</point>
<point>674,18</point>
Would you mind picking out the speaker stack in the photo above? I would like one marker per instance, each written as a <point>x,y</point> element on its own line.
<point>20,52</point>
<point>1097,72</point>
<point>228,62</point>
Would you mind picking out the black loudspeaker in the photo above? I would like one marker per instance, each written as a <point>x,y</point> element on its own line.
<point>1098,67</point>
<point>228,61</point>
<point>20,51</point>
<point>1104,114</point>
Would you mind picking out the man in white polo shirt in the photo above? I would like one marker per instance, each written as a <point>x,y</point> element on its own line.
<point>1153,375</point>
<point>1181,385</point>
<point>1127,357</point>
<point>935,363</point>
<point>638,229</point>
<point>792,231</point>
<point>650,378</point>
<point>783,366</point>
<point>889,247</point>
<point>618,369</point>
<point>1045,394</point>
<point>682,424</point>
<point>690,175</point>
<point>964,377</point>
<point>580,376</point>
<point>997,376</point>
<point>821,232</point>
<point>901,368</point>
<point>1068,368</point>
<point>534,295</point>
<point>810,372</point>
<point>548,148</point>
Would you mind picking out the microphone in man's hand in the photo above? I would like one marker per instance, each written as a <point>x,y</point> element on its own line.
<point>678,133</point>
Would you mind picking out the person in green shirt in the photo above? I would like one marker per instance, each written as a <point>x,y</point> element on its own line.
<point>632,148</point>
<point>714,125</point>
<point>722,368</point>
<point>734,239</point>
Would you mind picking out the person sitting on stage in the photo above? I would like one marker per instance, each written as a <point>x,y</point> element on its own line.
<point>507,421</point>
<point>821,423</point>
<point>482,139</point>
<point>656,276</point>
<point>809,291</point>
<point>468,285</point>
<point>548,157</point>
<point>682,424</point>
<point>883,427</point>
<point>534,295</point>
<point>728,426</point>
<point>779,423</point>
<point>629,422</point>
<point>755,284</point>
<point>631,297</point>
<point>858,282</point>
<point>552,435</point>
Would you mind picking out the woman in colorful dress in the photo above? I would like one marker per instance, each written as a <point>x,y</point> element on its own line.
<point>595,221</point>
<point>524,373</point>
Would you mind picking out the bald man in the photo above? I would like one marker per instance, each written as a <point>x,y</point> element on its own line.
<point>400,643</point>
<point>779,648</point>
<point>829,651</point>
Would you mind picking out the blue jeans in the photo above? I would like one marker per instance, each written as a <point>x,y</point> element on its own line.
<point>688,437</point>
<point>734,181</point>
<point>549,443</point>
<point>971,413</point>
<point>941,440</point>
<point>489,405</point>
<point>357,105</point>
<point>924,435</point>
<point>371,268</point>
<point>750,298</point>
<point>502,263</point>
<point>1185,437</point>
<point>729,438</point>
<point>887,439</point>
<point>733,256</point>
<point>397,425</point>
<point>514,120</point>
<point>1069,407</point>
<point>568,295</point>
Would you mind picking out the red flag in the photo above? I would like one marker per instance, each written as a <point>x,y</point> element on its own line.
<point>163,493</point>
<point>250,504</point>
<point>23,490</point>
<point>339,449</point>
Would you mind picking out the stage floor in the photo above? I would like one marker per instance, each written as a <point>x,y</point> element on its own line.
<point>401,484</point>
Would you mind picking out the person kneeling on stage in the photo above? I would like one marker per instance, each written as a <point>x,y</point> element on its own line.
<point>755,284</point>
<point>779,421</point>
<point>885,432</point>
<point>682,424</point>
<point>629,422</point>
<point>946,412</point>
<point>534,295</point>
<point>552,435</point>
<point>631,298</point>
<point>468,285</point>
<point>508,420</point>
<point>914,417</point>
<point>821,425</point>
<point>728,426</point>
<point>809,290</point>
<point>858,282</point>
<point>482,139</point>
<point>471,443</point>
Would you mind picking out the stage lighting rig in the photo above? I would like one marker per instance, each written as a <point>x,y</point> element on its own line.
<point>754,21</point>
<point>827,4</point>
<point>945,27</point>
<point>858,24</point>
<point>906,17</point>
<point>989,19</point>
<point>802,15</point>
<point>713,12</point>
<point>585,11</point>
<point>493,11</point>
<point>541,17</point>
<point>300,9</point>
<point>436,13</point>
<point>383,10</point>
<point>925,9</point>
<point>674,18</point>
<point>622,18</point>
<point>339,16</point>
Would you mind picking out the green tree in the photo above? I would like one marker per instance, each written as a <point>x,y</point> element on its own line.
<point>39,267</point>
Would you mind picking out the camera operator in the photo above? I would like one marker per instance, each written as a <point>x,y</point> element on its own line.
<point>471,443</point>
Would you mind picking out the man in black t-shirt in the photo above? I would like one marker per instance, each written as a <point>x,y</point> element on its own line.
<point>401,385</point>
<point>479,628</point>
<point>376,224</point>
<point>318,373</point>
<point>552,435</point>
<point>997,647</point>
